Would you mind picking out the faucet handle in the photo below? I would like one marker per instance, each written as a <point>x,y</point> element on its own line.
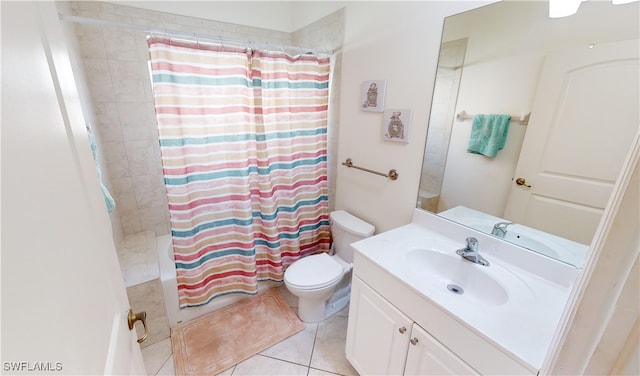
<point>502,224</point>
<point>472,243</point>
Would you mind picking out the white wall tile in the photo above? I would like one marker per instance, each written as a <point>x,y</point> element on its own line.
<point>119,44</point>
<point>90,41</point>
<point>137,121</point>
<point>116,64</point>
<point>130,221</point>
<point>149,192</point>
<point>96,6</point>
<point>142,157</point>
<point>99,80</point>
<point>188,21</point>
<point>116,160</point>
<point>155,217</point>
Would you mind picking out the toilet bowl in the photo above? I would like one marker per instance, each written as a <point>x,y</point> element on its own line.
<point>322,283</point>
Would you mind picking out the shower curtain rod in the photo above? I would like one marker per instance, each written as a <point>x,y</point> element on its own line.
<point>213,39</point>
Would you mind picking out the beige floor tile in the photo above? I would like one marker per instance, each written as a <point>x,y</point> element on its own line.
<point>168,369</point>
<point>262,365</point>
<point>319,372</point>
<point>329,349</point>
<point>156,355</point>
<point>291,299</point>
<point>297,348</point>
<point>227,372</point>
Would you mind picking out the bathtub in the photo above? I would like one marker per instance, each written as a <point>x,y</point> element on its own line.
<point>170,288</point>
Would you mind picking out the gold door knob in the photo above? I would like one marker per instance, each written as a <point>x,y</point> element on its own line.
<point>142,316</point>
<point>523,182</point>
<point>414,341</point>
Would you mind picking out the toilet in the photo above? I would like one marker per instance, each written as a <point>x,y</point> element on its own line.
<point>321,282</point>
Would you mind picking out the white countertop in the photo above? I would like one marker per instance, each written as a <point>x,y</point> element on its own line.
<point>537,287</point>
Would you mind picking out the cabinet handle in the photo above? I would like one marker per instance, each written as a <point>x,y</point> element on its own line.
<point>414,341</point>
<point>402,330</point>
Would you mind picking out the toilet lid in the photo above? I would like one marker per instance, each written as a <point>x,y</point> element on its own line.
<point>313,271</point>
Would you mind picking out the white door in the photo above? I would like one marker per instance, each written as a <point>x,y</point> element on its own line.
<point>427,356</point>
<point>583,121</point>
<point>64,305</point>
<point>377,334</point>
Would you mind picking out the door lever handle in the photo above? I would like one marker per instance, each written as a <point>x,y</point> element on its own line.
<point>523,182</point>
<point>140,316</point>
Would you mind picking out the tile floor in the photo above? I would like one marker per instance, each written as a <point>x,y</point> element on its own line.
<point>316,350</point>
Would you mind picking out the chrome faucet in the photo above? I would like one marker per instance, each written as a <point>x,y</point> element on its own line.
<point>470,252</point>
<point>500,229</point>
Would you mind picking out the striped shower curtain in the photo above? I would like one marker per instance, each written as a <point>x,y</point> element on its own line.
<point>243,140</point>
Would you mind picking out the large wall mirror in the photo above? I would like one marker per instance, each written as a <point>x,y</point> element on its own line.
<point>570,86</point>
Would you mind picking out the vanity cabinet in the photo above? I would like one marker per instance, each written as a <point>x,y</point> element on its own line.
<point>381,340</point>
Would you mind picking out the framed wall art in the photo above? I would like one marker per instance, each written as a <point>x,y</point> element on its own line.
<point>372,95</point>
<point>396,125</point>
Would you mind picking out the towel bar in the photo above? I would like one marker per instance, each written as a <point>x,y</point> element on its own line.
<point>393,173</point>
<point>522,119</point>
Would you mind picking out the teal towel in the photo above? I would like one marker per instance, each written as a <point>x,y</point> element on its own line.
<point>488,134</point>
<point>108,199</point>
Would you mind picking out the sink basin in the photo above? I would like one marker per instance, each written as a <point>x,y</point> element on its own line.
<point>530,243</point>
<point>451,274</point>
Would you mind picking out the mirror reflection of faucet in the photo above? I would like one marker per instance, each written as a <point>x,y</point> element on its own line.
<point>471,253</point>
<point>500,229</point>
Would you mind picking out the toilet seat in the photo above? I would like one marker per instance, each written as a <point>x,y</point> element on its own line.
<point>314,272</point>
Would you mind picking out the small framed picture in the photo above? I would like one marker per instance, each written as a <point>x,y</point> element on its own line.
<point>372,95</point>
<point>396,125</point>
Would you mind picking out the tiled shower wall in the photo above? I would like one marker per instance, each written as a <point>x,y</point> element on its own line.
<point>441,119</point>
<point>115,64</point>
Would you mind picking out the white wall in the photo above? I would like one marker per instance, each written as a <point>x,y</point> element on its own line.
<point>397,42</point>
<point>304,13</point>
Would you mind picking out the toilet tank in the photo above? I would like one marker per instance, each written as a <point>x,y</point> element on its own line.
<point>346,229</point>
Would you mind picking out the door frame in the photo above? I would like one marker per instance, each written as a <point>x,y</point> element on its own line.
<point>563,355</point>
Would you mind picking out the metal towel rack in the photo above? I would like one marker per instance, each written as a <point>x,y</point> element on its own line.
<point>393,173</point>
<point>522,119</point>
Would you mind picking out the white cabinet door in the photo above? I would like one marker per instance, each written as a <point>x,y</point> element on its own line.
<point>378,334</point>
<point>427,356</point>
